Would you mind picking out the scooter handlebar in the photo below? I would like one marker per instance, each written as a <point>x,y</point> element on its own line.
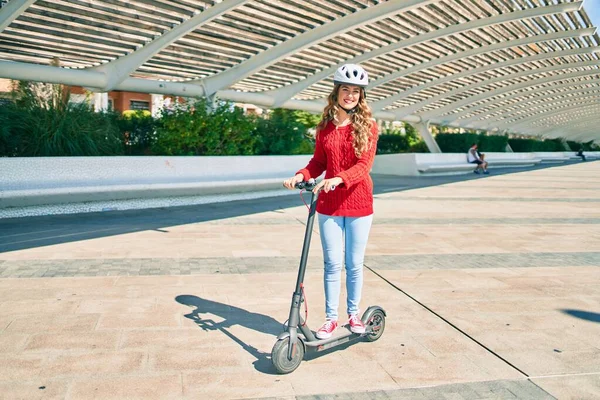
<point>309,185</point>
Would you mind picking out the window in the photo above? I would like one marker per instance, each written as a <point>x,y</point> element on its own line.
<point>111,104</point>
<point>139,105</point>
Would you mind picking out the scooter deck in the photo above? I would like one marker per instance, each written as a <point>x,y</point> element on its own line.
<point>342,335</point>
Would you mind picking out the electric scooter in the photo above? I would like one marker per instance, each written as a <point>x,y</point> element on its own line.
<point>291,346</point>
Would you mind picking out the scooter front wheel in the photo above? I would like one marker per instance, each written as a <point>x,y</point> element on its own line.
<point>280,359</point>
<point>375,326</point>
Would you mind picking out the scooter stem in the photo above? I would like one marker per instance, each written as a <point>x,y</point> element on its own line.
<point>294,317</point>
<point>307,238</point>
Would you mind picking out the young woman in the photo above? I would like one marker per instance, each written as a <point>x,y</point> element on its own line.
<point>345,147</point>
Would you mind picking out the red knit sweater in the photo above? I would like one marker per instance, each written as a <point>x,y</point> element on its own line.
<point>334,155</point>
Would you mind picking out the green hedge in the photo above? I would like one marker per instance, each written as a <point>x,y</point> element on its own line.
<point>138,130</point>
<point>394,141</point>
<point>192,129</point>
<point>461,142</point>
<point>529,145</point>
<point>73,130</point>
<point>456,143</point>
<point>49,126</point>
<point>41,122</point>
<point>589,146</point>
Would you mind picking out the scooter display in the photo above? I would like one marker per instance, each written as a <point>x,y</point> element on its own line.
<point>292,344</point>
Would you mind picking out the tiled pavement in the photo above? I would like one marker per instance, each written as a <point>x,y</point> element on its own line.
<point>257,265</point>
<point>465,391</point>
<point>490,285</point>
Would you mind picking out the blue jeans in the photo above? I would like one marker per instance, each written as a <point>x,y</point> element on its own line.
<point>354,231</point>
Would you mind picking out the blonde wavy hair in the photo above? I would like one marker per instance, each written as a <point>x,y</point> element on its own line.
<point>361,120</point>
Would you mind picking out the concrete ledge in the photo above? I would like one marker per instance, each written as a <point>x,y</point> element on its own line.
<point>552,157</point>
<point>57,180</point>
<point>430,164</point>
<point>444,167</point>
<point>33,197</point>
<point>27,182</point>
<point>589,155</point>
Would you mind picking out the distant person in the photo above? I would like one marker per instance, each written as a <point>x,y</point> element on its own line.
<point>474,157</point>
<point>580,154</point>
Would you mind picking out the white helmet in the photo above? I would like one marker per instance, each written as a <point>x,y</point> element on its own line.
<point>351,74</point>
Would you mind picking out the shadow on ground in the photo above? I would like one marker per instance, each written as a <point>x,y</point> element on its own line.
<point>585,315</point>
<point>232,316</point>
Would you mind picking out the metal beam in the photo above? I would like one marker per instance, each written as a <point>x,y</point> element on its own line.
<point>588,134</point>
<point>50,74</point>
<point>585,133</point>
<point>470,72</point>
<point>540,94</point>
<point>95,79</point>
<point>120,69</point>
<point>287,92</point>
<point>572,87</point>
<point>585,113</point>
<point>454,105</point>
<point>571,125</point>
<point>552,111</point>
<point>425,132</point>
<point>12,11</point>
<point>512,113</point>
<point>437,114</point>
<point>322,33</point>
<point>508,111</point>
<point>570,132</point>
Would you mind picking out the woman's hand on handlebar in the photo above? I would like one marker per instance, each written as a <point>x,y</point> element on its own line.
<point>328,184</point>
<point>291,183</point>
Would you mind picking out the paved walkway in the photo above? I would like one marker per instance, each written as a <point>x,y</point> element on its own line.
<point>490,285</point>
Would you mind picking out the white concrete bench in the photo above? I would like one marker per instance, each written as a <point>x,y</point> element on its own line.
<point>507,160</point>
<point>555,157</point>
<point>589,155</point>
<point>416,164</point>
<point>55,180</point>
<point>443,163</point>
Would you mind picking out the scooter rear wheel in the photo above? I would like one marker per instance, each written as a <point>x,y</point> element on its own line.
<point>279,356</point>
<point>376,326</point>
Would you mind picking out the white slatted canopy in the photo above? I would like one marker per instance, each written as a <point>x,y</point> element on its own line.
<point>503,65</point>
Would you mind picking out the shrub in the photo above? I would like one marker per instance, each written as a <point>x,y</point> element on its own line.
<point>416,144</point>
<point>589,146</point>
<point>41,122</point>
<point>283,132</point>
<point>308,119</point>
<point>529,145</point>
<point>456,142</point>
<point>419,147</point>
<point>493,143</point>
<point>192,129</point>
<point>392,143</point>
<point>139,131</point>
<point>461,142</point>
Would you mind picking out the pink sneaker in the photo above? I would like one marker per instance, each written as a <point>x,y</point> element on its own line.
<point>356,324</point>
<point>327,329</point>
